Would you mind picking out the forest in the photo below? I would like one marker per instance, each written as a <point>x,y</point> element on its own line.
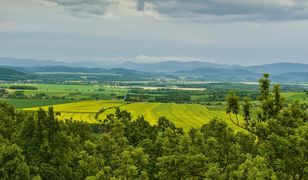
<point>271,143</point>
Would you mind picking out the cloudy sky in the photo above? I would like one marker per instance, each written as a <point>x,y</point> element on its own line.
<point>111,31</point>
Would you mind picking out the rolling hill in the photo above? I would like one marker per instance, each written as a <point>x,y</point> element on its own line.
<point>279,68</point>
<point>9,61</point>
<point>175,66</point>
<point>170,66</point>
<point>10,74</point>
<point>221,75</point>
<point>68,69</point>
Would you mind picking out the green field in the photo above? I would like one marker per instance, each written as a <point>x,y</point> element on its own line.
<point>87,92</point>
<point>28,103</point>
<point>183,115</point>
<point>302,97</point>
<point>71,91</point>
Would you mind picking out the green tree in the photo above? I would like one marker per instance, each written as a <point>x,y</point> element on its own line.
<point>278,102</point>
<point>7,120</point>
<point>163,123</point>
<point>246,111</point>
<point>266,101</point>
<point>3,92</point>
<point>132,164</point>
<point>138,130</point>
<point>12,162</point>
<point>264,86</point>
<point>255,168</point>
<point>233,105</point>
<point>90,162</point>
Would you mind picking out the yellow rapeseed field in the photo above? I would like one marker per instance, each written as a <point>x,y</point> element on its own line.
<point>182,115</point>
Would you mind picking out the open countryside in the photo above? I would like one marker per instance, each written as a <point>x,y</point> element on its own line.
<point>153,90</point>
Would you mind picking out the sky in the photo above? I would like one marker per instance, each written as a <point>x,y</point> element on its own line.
<point>246,32</point>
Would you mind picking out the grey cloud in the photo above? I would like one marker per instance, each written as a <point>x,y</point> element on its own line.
<point>95,7</point>
<point>272,10</point>
<point>268,10</point>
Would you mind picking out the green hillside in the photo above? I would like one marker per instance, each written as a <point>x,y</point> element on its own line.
<point>10,74</point>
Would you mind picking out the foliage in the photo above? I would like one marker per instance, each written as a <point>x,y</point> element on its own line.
<point>23,87</point>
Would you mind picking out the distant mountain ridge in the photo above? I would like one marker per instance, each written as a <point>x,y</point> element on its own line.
<point>215,71</point>
<point>171,66</point>
<point>10,71</point>
<point>221,75</point>
<point>176,66</point>
<point>281,72</point>
<point>67,69</point>
<point>37,69</point>
<point>8,61</point>
<point>165,66</point>
<point>7,73</point>
<point>279,68</point>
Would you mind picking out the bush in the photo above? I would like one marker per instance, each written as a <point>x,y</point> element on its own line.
<point>23,87</point>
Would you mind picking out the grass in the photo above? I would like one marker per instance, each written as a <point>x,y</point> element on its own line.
<point>302,97</point>
<point>28,103</point>
<point>182,115</point>
<point>71,91</point>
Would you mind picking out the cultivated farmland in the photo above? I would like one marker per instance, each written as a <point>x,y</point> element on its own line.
<point>183,115</point>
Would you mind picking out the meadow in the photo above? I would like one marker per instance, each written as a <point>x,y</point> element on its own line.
<point>69,91</point>
<point>28,103</point>
<point>300,96</point>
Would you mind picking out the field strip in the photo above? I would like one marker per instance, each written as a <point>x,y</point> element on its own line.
<point>183,115</point>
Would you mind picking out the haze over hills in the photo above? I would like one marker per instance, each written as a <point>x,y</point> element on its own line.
<point>220,74</point>
<point>9,61</point>
<point>279,68</point>
<point>281,72</point>
<point>68,69</point>
<point>176,66</point>
<point>171,66</point>
<point>164,66</point>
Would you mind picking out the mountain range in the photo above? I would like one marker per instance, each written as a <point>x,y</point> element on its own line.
<point>8,61</point>
<point>176,66</point>
<point>281,72</point>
